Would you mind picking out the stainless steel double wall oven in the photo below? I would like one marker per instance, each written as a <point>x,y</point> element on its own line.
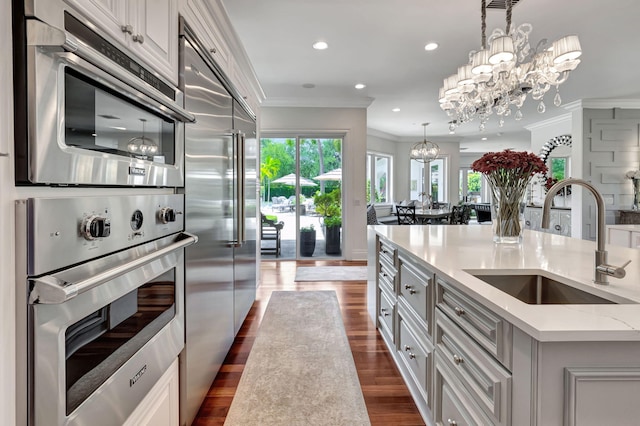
<point>100,274</point>
<point>87,112</point>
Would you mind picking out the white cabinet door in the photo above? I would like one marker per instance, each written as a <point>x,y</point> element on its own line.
<point>155,34</point>
<point>635,239</point>
<point>160,406</point>
<point>148,28</point>
<point>619,237</point>
<point>109,15</point>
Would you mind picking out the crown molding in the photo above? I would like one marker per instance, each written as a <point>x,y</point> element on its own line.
<point>382,135</point>
<point>550,121</point>
<point>603,104</point>
<point>307,102</point>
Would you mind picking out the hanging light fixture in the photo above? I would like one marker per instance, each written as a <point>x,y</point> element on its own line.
<point>505,71</point>
<point>142,145</point>
<point>425,151</point>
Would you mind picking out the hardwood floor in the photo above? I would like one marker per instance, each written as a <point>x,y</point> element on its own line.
<point>387,398</point>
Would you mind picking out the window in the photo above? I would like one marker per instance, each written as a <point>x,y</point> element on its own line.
<point>378,178</point>
<point>436,180</point>
<point>559,167</point>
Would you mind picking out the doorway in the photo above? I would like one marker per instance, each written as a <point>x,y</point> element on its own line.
<point>301,189</point>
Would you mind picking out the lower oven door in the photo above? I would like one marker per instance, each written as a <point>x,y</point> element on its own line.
<point>104,332</point>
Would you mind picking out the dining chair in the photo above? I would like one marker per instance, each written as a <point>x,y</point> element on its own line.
<point>406,215</point>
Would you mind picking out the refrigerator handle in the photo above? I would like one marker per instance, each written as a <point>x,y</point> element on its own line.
<point>238,208</point>
<point>242,236</point>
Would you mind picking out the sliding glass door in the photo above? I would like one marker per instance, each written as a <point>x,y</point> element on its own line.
<point>301,182</point>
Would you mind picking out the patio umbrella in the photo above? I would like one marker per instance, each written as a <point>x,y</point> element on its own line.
<point>335,174</point>
<point>290,179</point>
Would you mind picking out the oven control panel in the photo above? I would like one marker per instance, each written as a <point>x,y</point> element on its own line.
<point>66,231</point>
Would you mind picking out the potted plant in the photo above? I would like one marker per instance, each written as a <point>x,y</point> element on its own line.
<point>307,240</point>
<point>332,225</point>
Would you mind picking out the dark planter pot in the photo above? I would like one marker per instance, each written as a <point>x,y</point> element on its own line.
<point>332,240</point>
<point>307,243</point>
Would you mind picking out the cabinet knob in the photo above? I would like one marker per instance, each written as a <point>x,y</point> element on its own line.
<point>384,312</point>
<point>128,29</point>
<point>213,50</point>
<point>459,311</point>
<point>407,347</point>
<point>412,355</point>
<point>384,274</point>
<point>557,228</point>
<point>452,422</point>
<point>458,360</point>
<point>138,38</point>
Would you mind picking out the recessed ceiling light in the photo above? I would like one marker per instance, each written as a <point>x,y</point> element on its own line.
<point>431,46</point>
<point>360,86</point>
<point>308,85</point>
<point>484,139</point>
<point>396,110</point>
<point>320,45</point>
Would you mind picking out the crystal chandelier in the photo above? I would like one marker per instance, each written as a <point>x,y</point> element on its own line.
<point>424,151</point>
<point>504,72</point>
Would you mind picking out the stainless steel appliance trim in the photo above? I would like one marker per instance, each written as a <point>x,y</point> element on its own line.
<point>51,290</point>
<point>45,36</point>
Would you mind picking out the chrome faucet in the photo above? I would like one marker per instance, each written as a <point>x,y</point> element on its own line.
<point>602,269</point>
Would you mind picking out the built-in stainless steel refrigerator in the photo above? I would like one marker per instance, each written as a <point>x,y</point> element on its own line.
<point>221,209</point>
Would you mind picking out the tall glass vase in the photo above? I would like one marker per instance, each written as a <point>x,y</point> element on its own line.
<point>507,214</point>
<point>636,194</point>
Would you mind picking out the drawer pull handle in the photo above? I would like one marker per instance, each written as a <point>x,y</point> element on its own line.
<point>407,347</point>
<point>459,311</point>
<point>384,274</point>
<point>408,287</point>
<point>384,251</point>
<point>452,422</point>
<point>384,312</point>
<point>458,360</point>
<point>412,355</point>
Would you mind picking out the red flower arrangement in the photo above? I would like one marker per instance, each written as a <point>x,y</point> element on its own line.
<point>508,173</point>
<point>508,168</point>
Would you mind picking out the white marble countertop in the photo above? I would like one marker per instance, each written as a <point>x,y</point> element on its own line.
<point>634,228</point>
<point>451,250</point>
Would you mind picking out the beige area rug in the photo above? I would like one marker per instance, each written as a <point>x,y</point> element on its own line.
<point>300,370</point>
<point>331,273</point>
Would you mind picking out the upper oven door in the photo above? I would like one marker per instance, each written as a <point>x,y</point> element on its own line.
<point>92,121</point>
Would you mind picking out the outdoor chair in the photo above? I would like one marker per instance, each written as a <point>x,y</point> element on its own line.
<point>279,203</point>
<point>270,231</point>
<point>406,215</point>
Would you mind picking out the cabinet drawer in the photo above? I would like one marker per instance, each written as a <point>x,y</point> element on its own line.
<point>488,383</point>
<point>489,330</point>
<point>386,313</point>
<point>415,287</point>
<point>387,252</point>
<point>387,276</point>
<point>415,356</point>
<point>453,406</point>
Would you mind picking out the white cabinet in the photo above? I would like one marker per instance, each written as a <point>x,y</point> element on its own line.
<point>559,221</point>
<point>201,19</point>
<point>148,28</point>
<point>624,235</point>
<point>160,406</point>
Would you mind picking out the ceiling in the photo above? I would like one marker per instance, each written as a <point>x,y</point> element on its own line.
<point>381,43</point>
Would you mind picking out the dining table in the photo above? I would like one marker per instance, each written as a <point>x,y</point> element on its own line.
<point>432,215</point>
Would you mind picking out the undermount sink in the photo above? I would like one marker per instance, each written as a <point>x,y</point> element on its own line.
<point>536,289</point>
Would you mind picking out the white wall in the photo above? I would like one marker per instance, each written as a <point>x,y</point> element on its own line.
<point>352,122</point>
<point>383,143</point>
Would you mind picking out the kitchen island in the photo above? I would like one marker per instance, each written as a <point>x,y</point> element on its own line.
<point>473,354</point>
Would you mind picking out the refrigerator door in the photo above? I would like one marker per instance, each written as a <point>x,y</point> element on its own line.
<point>245,265</point>
<point>209,209</point>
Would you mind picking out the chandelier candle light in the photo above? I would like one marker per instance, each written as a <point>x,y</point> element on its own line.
<point>508,173</point>
<point>505,71</point>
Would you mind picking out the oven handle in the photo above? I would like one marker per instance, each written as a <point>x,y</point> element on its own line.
<point>51,290</point>
<point>67,48</point>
